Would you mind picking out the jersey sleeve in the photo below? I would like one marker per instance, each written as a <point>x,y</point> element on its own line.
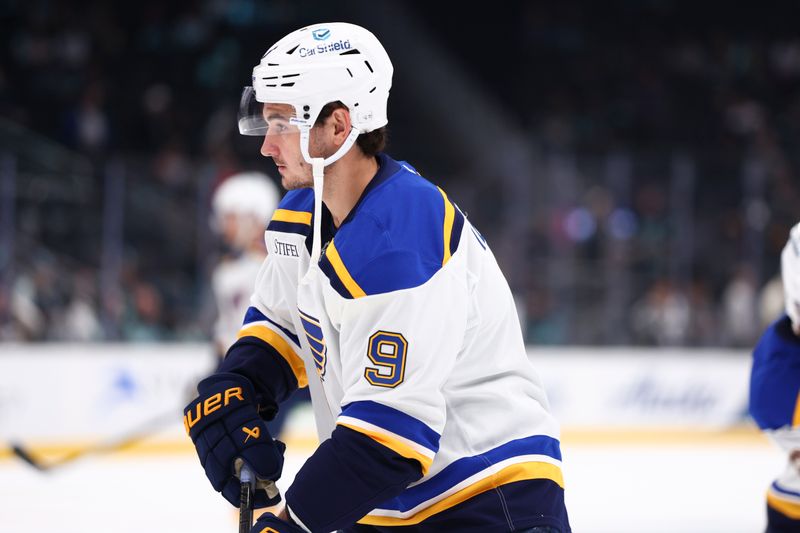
<point>397,351</point>
<point>403,324</point>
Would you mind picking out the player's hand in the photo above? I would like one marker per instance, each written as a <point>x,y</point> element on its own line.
<point>224,424</point>
<point>269,523</point>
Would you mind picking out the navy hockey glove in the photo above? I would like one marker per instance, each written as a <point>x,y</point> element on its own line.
<point>225,426</point>
<point>269,523</point>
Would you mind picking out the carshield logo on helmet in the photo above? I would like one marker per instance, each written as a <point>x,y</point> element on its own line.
<point>321,34</point>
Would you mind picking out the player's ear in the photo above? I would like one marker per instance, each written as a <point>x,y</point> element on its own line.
<point>340,119</point>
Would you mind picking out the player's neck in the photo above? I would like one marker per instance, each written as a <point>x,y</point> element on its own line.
<point>345,181</point>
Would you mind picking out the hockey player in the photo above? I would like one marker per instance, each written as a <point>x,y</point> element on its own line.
<point>241,206</point>
<point>775,393</point>
<point>382,298</point>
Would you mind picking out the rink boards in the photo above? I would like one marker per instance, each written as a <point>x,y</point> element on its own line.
<point>652,440</point>
<point>65,395</point>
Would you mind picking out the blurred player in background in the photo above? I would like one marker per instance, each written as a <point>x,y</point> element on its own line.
<point>382,298</point>
<point>775,392</point>
<point>241,207</point>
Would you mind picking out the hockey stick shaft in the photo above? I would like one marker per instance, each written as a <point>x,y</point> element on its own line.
<point>139,433</point>
<point>247,488</point>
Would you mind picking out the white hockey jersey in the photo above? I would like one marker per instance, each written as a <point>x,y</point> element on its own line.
<point>406,331</point>
<point>232,284</point>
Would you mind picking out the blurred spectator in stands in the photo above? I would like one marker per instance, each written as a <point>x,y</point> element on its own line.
<point>152,82</point>
<point>739,310</point>
<point>78,321</point>
<point>87,126</point>
<point>144,318</point>
<point>661,317</point>
<point>770,302</point>
<point>546,323</point>
<point>26,322</point>
<point>703,327</point>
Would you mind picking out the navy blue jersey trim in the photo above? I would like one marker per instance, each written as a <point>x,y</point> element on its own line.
<point>388,167</point>
<point>370,473</point>
<point>330,273</point>
<point>289,227</point>
<point>458,225</point>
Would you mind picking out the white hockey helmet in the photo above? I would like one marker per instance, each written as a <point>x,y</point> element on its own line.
<point>790,275</point>
<point>246,194</point>
<point>317,65</point>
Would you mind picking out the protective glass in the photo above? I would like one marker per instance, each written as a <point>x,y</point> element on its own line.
<point>258,118</point>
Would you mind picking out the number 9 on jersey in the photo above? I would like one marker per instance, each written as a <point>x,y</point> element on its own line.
<point>387,351</point>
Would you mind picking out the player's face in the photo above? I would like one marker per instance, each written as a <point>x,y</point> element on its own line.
<point>282,144</point>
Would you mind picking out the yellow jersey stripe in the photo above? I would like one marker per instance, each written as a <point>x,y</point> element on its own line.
<point>312,337</point>
<point>393,444</point>
<point>796,416</point>
<point>297,217</point>
<point>316,351</point>
<point>338,266</point>
<point>308,318</point>
<point>510,474</point>
<point>449,217</point>
<point>785,507</point>
<point>276,341</point>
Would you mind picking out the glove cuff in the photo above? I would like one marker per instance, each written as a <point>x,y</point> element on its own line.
<point>220,379</point>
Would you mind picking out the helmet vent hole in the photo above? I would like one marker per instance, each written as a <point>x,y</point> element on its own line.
<point>290,84</point>
<point>351,74</point>
<point>270,78</point>
<point>355,105</point>
<point>350,52</point>
<point>368,66</point>
<point>291,75</point>
<point>372,90</point>
<point>290,52</point>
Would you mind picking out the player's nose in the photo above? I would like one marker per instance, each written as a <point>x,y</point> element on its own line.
<point>268,148</point>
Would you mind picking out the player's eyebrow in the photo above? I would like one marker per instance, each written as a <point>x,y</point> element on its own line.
<point>281,116</point>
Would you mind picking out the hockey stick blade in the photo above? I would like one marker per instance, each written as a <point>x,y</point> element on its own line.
<point>115,444</point>
<point>26,456</point>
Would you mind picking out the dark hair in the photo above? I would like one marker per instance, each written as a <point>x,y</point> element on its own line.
<point>370,143</point>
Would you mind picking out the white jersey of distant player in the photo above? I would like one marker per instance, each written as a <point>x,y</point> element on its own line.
<point>232,282</point>
<point>437,371</point>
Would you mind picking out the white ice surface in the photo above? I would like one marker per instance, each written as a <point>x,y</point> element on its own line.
<point>610,489</point>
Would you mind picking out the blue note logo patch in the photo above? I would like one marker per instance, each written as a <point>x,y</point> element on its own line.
<point>316,342</point>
